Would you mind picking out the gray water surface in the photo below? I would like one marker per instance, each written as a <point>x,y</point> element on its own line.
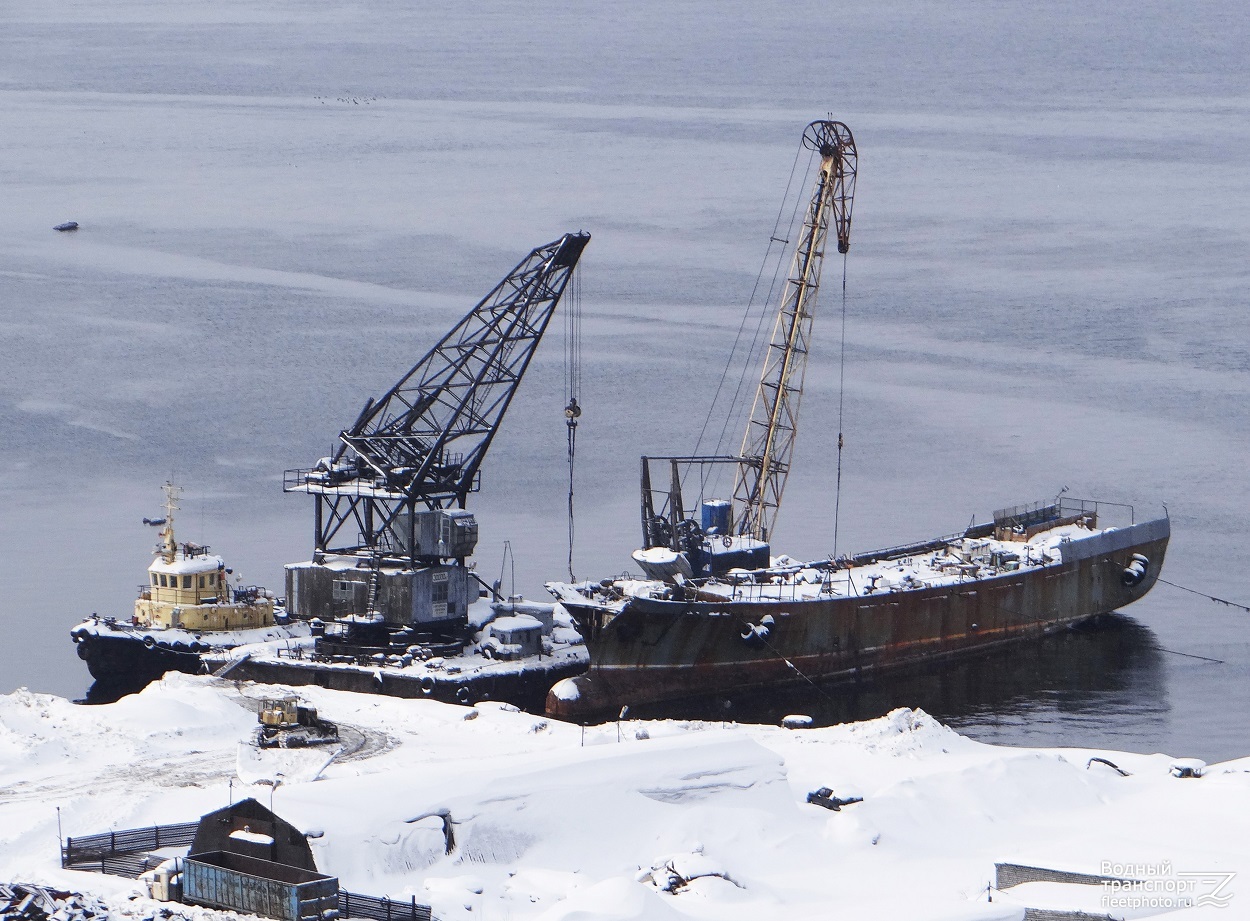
<point>283,205</point>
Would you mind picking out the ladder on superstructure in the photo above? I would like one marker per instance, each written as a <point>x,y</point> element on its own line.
<point>375,579</point>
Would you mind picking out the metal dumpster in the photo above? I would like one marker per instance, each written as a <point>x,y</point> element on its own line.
<point>220,879</point>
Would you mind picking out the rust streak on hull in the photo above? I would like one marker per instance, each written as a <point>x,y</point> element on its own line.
<point>652,650</point>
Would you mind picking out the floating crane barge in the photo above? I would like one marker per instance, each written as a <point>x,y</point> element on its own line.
<point>716,613</point>
<point>389,601</point>
<point>392,598</point>
<point>391,531</point>
<point>1028,573</point>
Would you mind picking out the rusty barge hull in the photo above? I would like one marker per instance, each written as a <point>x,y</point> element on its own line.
<point>652,650</point>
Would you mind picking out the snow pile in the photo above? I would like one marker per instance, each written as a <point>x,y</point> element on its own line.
<point>35,903</point>
<point>24,902</point>
<point>509,815</point>
<point>676,872</point>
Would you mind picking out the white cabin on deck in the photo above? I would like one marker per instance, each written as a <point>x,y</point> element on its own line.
<point>187,589</point>
<point>191,592</point>
<point>189,580</point>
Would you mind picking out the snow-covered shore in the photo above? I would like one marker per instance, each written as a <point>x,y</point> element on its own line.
<point>551,822</point>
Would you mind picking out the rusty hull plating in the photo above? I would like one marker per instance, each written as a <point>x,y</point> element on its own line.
<point>651,649</point>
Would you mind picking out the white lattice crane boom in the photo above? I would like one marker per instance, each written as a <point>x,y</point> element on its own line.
<point>768,444</point>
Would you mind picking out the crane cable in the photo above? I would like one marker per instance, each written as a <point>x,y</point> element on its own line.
<point>773,239</point>
<point>573,385</point>
<point>736,405</point>
<point>837,495</point>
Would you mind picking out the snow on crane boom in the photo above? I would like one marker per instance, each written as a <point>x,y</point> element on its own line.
<point>420,446</point>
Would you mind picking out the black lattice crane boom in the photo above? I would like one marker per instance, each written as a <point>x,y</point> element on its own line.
<point>768,445</point>
<point>421,445</point>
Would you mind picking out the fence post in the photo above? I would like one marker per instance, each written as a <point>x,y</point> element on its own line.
<point>414,908</point>
<point>157,830</point>
<point>388,907</point>
<point>347,904</point>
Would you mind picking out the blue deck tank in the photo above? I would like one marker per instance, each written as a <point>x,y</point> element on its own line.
<point>717,516</point>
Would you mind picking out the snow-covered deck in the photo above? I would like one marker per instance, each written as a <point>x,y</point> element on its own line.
<point>210,639</point>
<point>563,646</point>
<point>959,560</point>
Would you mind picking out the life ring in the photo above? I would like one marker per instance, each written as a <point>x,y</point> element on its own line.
<point>149,641</point>
<point>462,694</point>
<point>427,684</point>
<point>727,541</point>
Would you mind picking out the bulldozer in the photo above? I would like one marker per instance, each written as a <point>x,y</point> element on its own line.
<point>284,723</point>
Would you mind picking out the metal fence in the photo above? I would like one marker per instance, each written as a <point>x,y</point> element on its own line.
<point>354,905</point>
<point>130,866</point>
<point>125,853</point>
<point>92,849</point>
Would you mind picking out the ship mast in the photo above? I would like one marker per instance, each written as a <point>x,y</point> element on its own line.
<point>768,444</point>
<point>168,547</point>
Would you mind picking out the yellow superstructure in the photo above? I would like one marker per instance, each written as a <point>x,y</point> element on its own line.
<point>188,588</point>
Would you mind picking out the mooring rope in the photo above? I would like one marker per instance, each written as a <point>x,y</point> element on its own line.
<point>784,658</point>
<point>1192,591</point>
<point>1190,655</point>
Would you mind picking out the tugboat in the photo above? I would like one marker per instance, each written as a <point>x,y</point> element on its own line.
<point>186,608</point>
